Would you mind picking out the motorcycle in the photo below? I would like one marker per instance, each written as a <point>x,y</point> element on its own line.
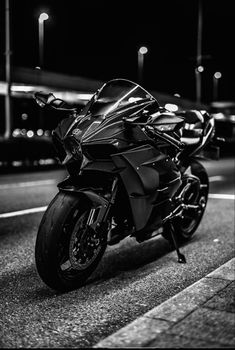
<point>133,170</point>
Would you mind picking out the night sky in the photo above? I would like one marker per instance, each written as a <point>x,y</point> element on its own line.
<point>100,40</point>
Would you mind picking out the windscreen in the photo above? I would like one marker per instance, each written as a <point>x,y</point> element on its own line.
<point>116,94</point>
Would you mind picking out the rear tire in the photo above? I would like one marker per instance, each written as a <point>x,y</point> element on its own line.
<point>187,225</point>
<point>67,250</point>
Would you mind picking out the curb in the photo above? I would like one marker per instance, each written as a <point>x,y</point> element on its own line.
<point>145,329</point>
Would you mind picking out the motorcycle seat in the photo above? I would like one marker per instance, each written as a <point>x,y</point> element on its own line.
<point>193,127</point>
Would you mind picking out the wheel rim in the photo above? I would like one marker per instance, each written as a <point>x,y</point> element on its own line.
<point>196,195</point>
<point>189,222</point>
<point>72,257</point>
<point>85,244</point>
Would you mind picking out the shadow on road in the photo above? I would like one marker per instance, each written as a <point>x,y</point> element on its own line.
<point>127,256</point>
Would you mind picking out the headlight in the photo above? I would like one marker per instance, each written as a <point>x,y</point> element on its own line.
<point>165,127</point>
<point>73,147</point>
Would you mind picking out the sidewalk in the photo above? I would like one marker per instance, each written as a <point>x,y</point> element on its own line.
<point>201,316</point>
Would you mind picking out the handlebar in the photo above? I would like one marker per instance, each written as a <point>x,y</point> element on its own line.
<point>44,99</point>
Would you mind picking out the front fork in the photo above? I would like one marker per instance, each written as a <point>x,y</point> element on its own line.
<point>98,216</point>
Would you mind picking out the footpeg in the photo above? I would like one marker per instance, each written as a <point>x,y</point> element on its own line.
<point>181,257</point>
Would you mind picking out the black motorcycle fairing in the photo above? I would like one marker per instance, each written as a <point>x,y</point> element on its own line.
<point>93,133</point>
<point>149,177</point>
<point>109,105</point>
<point>106,175</point>
<point>94,129</point>
<point>100,128</point>
<point>100,132</point>
<point>101,166</point>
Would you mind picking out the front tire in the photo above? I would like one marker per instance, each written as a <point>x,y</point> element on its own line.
<point>67,248</point>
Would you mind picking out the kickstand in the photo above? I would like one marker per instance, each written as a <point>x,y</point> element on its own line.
<point>181,257</point>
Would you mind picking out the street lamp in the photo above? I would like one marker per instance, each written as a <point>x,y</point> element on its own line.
<point>198,70</point>
<point>43,17</point>
<point>141,52</point>
<point>216,77</point>
<point>8,107</point>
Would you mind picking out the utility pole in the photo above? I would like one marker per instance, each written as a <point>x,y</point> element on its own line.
<point>216,77</point>
<point>199,53</point>
<point>8,116</point>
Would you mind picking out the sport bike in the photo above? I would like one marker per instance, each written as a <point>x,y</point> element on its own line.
<point>133,170</point>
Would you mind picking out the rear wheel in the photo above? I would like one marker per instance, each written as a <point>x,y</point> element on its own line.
<point>68,249</point>
<point>197,194</point>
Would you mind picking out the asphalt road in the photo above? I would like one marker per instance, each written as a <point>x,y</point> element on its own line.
<point>131,279</point>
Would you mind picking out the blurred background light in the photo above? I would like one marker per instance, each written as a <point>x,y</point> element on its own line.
<point>143,50</point>
<point>30,133</point>
<point>39,132</point>
<point>217,75</point>
<point>200,69</point>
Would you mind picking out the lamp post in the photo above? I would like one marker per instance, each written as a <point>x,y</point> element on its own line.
<point>198,70</point>
<point>8,114</point>
<point>141,52</point>
<point>43,17</point>
<point>216,77</point>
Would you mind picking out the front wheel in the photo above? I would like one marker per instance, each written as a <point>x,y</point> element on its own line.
<point>68,249</point>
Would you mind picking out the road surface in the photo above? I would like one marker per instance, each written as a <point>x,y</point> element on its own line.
<point>131,279</point>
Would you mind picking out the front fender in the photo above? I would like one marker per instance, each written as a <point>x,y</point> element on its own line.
<point>87,193</point>
<point>99,203</point>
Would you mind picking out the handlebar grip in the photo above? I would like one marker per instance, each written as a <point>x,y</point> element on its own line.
<point>44,97</point>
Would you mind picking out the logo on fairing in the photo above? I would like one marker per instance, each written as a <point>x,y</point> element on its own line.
<point>76,132</point>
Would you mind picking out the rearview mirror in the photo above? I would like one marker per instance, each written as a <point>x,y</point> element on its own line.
<point>43,99</point>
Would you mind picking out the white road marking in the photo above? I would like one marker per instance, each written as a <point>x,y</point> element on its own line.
<point>28,184</point>
<point>22,212</point>
<point>221,196</point>
<point>216,178</point>
<point>41,209</point>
